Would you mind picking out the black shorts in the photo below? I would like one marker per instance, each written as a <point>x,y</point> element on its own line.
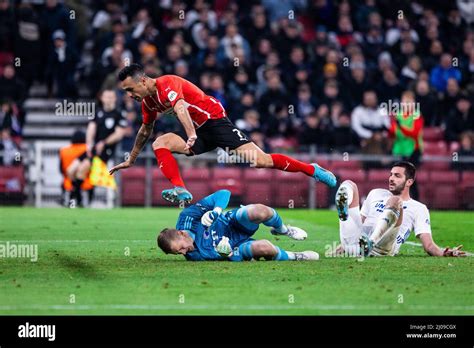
<point>106,154</point>
<point>216,133</point>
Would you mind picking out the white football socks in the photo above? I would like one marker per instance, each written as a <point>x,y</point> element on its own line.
<point>387,220</point>
<point>350,192</point>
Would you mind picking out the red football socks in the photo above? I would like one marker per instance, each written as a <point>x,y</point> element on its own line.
<point>169,166</point>
<point>289,164</point>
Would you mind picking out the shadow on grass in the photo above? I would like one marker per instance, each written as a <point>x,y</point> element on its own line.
<point>75,265</point>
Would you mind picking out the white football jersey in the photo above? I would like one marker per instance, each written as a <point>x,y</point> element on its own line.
<point>416,216</point>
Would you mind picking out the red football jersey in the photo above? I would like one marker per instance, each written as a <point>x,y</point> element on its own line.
<point>172,88</point>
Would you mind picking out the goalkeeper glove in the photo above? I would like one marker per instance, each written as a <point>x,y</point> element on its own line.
<point>209,217</point>
<point>223,248</point>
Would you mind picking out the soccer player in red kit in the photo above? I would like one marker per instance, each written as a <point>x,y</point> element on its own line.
<point>206,127</point>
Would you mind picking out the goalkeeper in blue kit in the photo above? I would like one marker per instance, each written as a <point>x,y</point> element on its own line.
<point>205,232</point>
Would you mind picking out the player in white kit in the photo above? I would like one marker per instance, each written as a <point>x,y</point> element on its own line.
<point>386,218</point>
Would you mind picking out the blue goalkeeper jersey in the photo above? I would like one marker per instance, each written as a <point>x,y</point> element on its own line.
<point>206,239</point>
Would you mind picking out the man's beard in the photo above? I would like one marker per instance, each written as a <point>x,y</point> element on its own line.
<point>397,190</point>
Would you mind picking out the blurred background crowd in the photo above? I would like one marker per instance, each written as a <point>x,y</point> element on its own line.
<point>290,73</point>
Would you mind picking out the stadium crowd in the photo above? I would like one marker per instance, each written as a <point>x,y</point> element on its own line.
<point>290,73</point>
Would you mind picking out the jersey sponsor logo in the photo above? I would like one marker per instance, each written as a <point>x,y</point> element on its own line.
<point>172,95</point>
<point>427,221</point>
<point>379,207</point>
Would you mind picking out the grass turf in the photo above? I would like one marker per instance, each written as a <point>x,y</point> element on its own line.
<point>108,263</point>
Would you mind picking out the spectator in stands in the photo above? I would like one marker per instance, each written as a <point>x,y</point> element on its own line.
<point>428,103</point>
<point>343,138</point>
<point>275,94</point>
<point>305,103</point>
<point>10,118</point>
<point>11,87</point>
<point>368,117</point>
<point>7,31</point>
<point>61,66</point>
<point>406,128</point>
<point>443,72</point>
<point>250,122</point>
<point>314,133</point>
<point>466,141</point>
<point>460,119</point>
<point>389,88</point>
<point>9,149</point>
<point>57,17</point>
<point>411,70</point>
<point>239,85</point>
<point>28,44</point>
<point>279,123</point>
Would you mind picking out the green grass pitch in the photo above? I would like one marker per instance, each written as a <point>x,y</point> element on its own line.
<point>107,262</point>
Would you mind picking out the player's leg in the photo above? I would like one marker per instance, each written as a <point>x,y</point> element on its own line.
<point>268,251</point>
<point>81,172</point>
<point>386,230</point>
<point>254,214</point>
<point>285,163</point>
<point>163,146</point>
<point>350,222</point>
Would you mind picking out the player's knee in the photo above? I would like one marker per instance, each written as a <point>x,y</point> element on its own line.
<point>264,161</point>
<point>259,212</point>
<point>263,248</point>
<point>350,183</point>
<point>163,141</point>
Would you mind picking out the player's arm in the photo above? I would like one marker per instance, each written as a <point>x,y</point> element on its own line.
<point>90,135</point>
<point>183,116</point>
<point>217,201</point>
<point>434,250</point>
<point>141,139</point>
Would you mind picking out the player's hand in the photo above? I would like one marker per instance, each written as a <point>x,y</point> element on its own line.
<point>190,142</point>
<point>99,147</point>
<point>456,252</point>
<point>223,248</point>
<point>123,165</point>
<point>209,217</point>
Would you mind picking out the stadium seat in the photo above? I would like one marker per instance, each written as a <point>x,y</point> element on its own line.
<point>444,177</point>
<point>258,186</point>
<point>433,134</point>
<point>356,175</point>
<point>133,186</point>
<point>435,165</point>
<point>229,179</point>
<point>444,188</point>
<point>467,190</point>
<point>335,165</point>
<point>198,181</point>
<point>445,197</point>
<point>158,184</point>
<point>291,189</point>
<point>12,184</point>
<point>323,199</point>
<point>435,148</point>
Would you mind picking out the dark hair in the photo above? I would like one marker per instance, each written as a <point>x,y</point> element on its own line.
<point>165,238</point>
<point>132,70</point>
<point>410,169</point>
<point>78,137</point>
